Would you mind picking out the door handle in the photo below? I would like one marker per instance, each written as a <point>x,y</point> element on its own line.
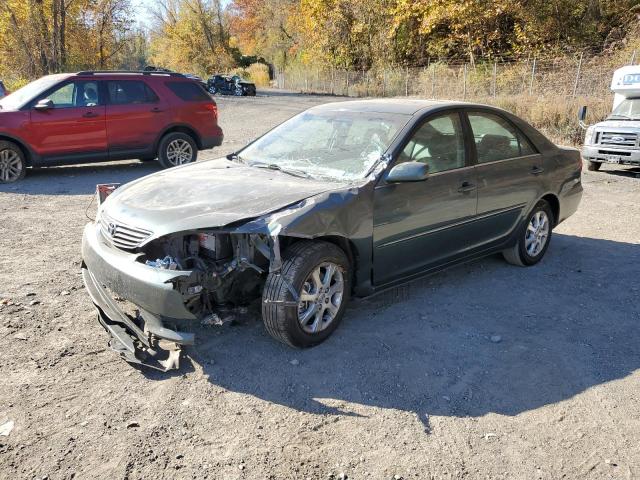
<point>466,187</point>
<point>535,170</point>
<point>90,115</point>
<point>156,110</point>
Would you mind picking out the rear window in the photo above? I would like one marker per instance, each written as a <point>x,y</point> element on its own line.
<point>188,91</point>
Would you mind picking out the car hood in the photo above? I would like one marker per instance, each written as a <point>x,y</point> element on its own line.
<point>206,194</point>
<point>618,124</point>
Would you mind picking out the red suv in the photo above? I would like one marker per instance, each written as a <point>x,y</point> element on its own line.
<point>91,116</point>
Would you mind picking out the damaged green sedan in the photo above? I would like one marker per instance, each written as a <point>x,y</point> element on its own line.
<point>342,200</point>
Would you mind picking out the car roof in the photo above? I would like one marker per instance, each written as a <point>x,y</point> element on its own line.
<point>403,106</point>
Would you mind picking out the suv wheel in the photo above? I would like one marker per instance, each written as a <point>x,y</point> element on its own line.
<point>212,90</point>
<point>534,238</point>
<point>593,166</point>
<point>177,149</point>
<point>13,166</point>
<point>319,273</point>
<point>238,91</point>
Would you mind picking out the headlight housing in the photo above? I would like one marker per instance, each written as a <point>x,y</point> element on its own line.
<point>588,138</point>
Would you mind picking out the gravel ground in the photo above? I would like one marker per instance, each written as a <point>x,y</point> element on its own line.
<point>483,371</point>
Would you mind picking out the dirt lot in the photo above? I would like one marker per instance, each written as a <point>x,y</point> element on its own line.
<point>484,371</point>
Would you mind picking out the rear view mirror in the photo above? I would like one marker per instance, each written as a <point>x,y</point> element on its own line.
<point>582,113</point>
<point>408,172</point>
<point>43,105</point>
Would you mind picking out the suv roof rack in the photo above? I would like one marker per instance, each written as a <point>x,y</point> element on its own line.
<point>133,72</point>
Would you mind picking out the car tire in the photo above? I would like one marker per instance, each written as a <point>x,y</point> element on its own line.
<point>593,166</point>
<point>238,92</point>
<point>176,149</point>
<point>212,90</point>
<point>13,165</point>
<point>303,323</point>
<point>533,237</point>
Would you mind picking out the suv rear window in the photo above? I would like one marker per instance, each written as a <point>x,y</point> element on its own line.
<point>188,91</point>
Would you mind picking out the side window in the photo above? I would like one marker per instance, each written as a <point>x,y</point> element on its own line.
<point>75,94</point>
<point>189,91</point>
<point>129,92</point>
<point>439,143</point>
<point>497,139</point>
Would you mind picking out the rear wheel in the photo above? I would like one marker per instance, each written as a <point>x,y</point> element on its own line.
<point>177,148</point>
<point>534,238</point>
<point>238,91</point>
<point>593,166</point>
<point>319,274</point>
<point>13,166</point>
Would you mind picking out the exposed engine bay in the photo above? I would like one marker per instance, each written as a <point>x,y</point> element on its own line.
<point>227,269</point>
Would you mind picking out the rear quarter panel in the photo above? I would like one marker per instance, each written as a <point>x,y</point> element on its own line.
<point>565,179</point>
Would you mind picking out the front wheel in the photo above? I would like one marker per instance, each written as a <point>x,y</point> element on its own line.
<point>13,166</point>
<point>320,275</point>
<point>212,90</point>
<point>238,91</point>
<point>593,166</point>
<point>534,238</point>
<point>177,148</point>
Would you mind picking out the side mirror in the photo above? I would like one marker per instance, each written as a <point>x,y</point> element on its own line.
<point>44,105</point>
<point>408,172</point>
<point>582,113</point>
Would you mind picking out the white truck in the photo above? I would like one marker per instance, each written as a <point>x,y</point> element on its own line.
<point>616,139</point>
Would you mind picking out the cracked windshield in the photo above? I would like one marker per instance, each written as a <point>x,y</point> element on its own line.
<point>335,145</point>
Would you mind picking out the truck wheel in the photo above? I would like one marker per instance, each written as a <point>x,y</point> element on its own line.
<point>177,149</point>
<point>13,166</point>
<point>320,275</point>
<point>533,238</point>
<point>593,166</point>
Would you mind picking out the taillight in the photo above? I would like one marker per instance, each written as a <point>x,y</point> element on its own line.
<point>212,107</point>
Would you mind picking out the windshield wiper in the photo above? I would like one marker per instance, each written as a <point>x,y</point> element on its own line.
<point>273,166</point>
<point>236,158</point>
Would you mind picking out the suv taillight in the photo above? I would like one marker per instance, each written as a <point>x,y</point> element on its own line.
<point>212,107</point>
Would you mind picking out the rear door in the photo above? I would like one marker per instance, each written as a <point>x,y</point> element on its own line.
<point>508,173</point>
<point>419,225</point>
<point>135,116</point>
<point>76,123</point>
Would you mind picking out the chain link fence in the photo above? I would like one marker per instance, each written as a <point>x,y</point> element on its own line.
<point>545,91</point>
<point>571,77</point>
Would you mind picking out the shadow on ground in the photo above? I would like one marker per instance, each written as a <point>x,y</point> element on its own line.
<point>427,347</point>
<point>79,179</point>
<point>632,172</point>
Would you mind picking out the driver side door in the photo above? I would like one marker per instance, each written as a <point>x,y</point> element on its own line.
<point>423,224</point>
<point>74,126</point>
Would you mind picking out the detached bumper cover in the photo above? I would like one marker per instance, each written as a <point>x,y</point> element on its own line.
<point>137,341</point>
<point>150,288</point>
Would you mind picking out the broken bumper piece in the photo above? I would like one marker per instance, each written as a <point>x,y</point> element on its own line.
<point>152,345</point>
<point>144,339</point>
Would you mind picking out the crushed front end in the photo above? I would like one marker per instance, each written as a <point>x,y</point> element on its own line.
<point>149,291</point>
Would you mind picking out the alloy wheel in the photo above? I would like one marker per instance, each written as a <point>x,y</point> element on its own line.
<point>537,233</point>
<point>10,166</point>
<point>179,152</point>
<point>321,297</point>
